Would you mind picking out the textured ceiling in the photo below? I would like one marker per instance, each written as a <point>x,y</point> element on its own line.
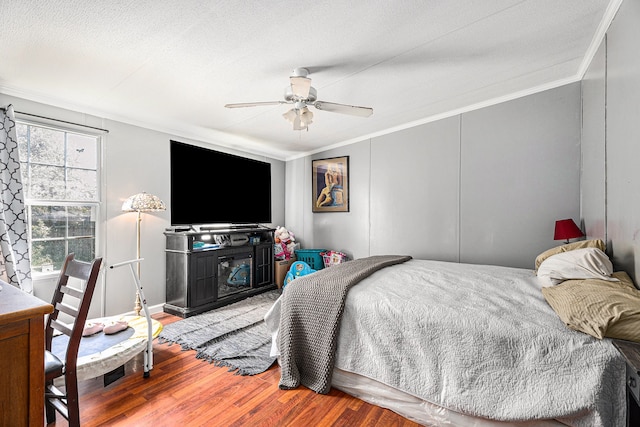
<point>173,65</point>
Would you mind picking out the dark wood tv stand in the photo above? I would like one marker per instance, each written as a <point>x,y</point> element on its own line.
<point>209,267</point>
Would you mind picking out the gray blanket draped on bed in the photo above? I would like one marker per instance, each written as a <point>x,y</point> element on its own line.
<point>310,317</point>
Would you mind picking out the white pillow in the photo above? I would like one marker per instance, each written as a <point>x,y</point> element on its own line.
<point>587,263</point>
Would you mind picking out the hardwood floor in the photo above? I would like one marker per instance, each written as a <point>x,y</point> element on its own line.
<point>184,391</point>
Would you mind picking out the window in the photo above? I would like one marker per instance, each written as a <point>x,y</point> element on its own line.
<point>60,177</point>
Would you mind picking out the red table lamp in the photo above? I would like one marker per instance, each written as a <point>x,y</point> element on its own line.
<point>567,229</point>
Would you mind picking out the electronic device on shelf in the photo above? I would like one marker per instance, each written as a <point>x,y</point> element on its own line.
<point>178,229</point>
<point>239,239</point>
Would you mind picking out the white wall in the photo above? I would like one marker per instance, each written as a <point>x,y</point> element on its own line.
<point>135,159</point>
<point>483,187</point>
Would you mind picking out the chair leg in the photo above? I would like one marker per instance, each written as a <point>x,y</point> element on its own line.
<point>73,406</point>
<point>67,403</point>
<point>50,411</point>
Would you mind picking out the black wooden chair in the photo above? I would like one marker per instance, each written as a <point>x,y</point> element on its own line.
<point>72,304</point>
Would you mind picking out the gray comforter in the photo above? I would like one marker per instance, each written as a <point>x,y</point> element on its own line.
<point>310,319</point>
<point>480,340</point>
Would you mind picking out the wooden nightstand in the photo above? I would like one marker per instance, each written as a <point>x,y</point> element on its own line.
<point>631,353</point>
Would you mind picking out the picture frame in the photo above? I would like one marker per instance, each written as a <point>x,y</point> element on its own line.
<point>330,179</point>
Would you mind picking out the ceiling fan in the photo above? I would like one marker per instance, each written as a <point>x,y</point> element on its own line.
<point>301,95</point>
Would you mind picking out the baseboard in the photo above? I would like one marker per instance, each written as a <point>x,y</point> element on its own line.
<point>153,309</point>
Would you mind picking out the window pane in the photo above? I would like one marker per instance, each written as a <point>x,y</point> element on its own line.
<point>21,132</point>
<point>48,221</point>
<point>23,150</point>
<point>81,151</point>
<point>47,182</point>
<point>82,184</point>
<point>82,221</point>
<point>26,183</point>
<point>47,146</point>
<point>82,248</point>
<point>47,255</point>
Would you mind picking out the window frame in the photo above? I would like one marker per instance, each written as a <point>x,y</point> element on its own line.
<point>97,204</point>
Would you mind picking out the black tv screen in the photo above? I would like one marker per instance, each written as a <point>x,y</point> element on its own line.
<point>212,187</point>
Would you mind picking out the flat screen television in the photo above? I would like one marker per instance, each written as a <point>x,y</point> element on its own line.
<point>212,187</point>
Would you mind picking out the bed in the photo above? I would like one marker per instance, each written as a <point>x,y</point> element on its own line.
<point>446,343</point>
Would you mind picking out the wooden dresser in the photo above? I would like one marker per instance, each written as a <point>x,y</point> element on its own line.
<point>21,357</point>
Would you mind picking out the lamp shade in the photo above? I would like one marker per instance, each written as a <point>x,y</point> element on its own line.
<point>143,202</point>
<point>566,229</point>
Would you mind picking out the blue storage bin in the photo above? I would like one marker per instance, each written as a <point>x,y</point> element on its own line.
<point>312,257</point>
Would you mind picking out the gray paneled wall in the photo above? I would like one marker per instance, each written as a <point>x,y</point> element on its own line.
<point>520,173</point>
<point>592,180</point>
<point>619,81</point>
<point>414,191</point>
<point>344,231</point>
<point>481,187</point>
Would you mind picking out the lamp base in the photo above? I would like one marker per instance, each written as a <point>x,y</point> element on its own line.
<point>138,304</point>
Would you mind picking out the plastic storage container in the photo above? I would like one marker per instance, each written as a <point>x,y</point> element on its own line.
<point>312,257</point>
<point>333,257</point>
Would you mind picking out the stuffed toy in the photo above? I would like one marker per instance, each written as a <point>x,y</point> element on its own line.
<point>279,251</point>
<point>285,243</point>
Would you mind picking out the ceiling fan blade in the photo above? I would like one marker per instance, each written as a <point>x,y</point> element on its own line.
<point>254,104</point>
<point>300,86</point>
<point>353,110</point>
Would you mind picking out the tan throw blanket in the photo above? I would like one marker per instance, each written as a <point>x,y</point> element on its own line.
<point>310,316</point>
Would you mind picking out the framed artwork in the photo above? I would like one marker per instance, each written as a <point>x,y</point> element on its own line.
<point>331,184</point>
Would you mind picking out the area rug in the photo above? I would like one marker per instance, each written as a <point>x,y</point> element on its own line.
<point>235,335</point>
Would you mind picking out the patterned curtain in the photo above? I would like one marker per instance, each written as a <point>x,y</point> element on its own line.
<point>13,225</point>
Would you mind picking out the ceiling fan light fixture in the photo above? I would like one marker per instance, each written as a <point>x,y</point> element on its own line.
<point>290,115</point>
<point>300,86</point>
<point>306,116</point>
<point>298,125</point>
<point>291,97</point>
<point>300,117</point>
